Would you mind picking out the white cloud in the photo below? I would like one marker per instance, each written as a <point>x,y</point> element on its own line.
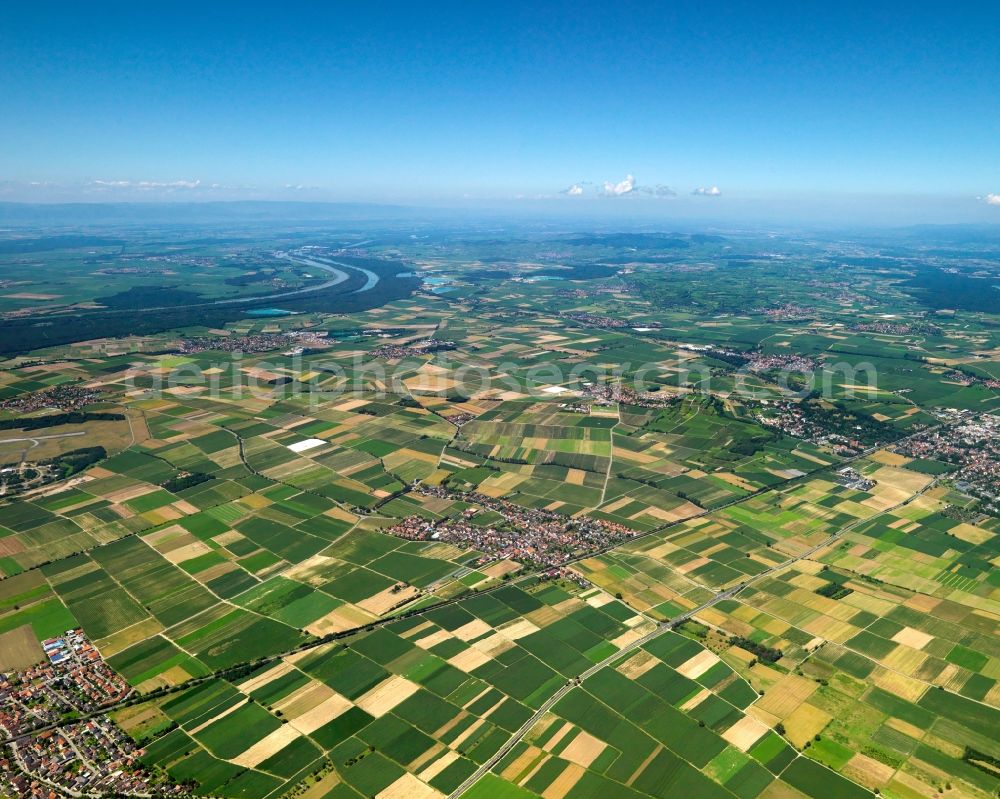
<point>712,191</point>
<point>146,185</point>
<point>992,199</point>
<point>629,187</point>
<point>619,189</point>
<point>659,190</point>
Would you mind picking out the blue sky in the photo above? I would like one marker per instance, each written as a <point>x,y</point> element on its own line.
<point>772,103</point>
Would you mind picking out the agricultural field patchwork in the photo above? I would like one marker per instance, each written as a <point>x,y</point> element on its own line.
<point>550,516</point>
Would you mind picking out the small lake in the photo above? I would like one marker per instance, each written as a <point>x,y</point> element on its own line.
<point>270,312</point>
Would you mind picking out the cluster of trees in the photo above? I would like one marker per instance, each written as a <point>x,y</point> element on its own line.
<point>180,482</point>
<point>765,653</point>
<point>834,591</point>
<point>54,419</point>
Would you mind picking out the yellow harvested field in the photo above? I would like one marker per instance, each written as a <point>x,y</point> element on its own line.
<point>583,750</point>
<point>916,733</point>
<point>430,382</point>
<point>682,511</point>
<point>900,685</point>
<point>637,457</point>
<point>971,534</point>
<point>435,638</point>
<point>186,552</point>
<point>341,514</point>
<point>517,629</point>
<point>694,667</point>
<point>350,405</point>
<point>493,645</point>
<point>469,659</point>
<point>303,699</point>
<point>904,660</point>
<point>745,733</point>
<point>343,618</point>
<point>902,479</point>
<point>517,767</point>
<point>561,733</point>
<point>599,599</point>
<point>175,675</point>
<point>696,700</point>
<point>402,456</point>
<point>269,676</point>
<point>736,480</point>
<point>543,616</point>
<point>314,718</point>
<point>804,722</point>
<point>387,599</point>
<point>168,538</point>
<point>269,746</point>
<point>630,636</point>
<point>564,783</point>
<point>922,602</point>
<point>660,550</point>
<point>501,568</point>
<point>911,637</point>
<point>618,504</point>
<point>408,787</point>
<point>691,565</point>
<point>421,761</point>
<point>869,772</point>
<point>575,477</point>
<point>785,695</point>
<point>889,458</point>
<point>322,787</point>
<point>474,629</point>
<point>230,537</point>
<point>637,665</point>
<point>127,493</point>
<point>386,695</point>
